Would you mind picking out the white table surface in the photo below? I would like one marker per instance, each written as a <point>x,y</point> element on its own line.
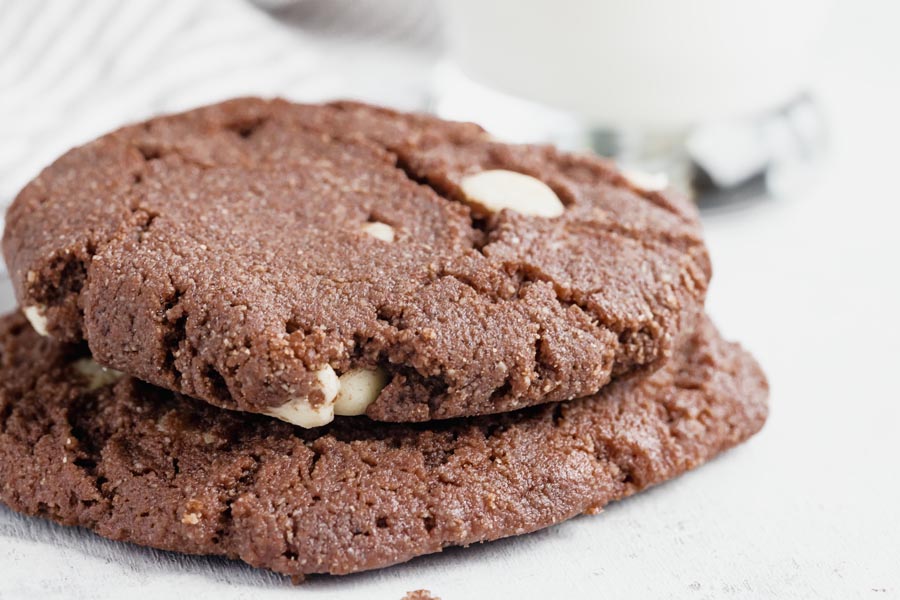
<point>810,282</point>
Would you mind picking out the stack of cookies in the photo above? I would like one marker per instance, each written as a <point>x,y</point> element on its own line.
<point>329,338</point>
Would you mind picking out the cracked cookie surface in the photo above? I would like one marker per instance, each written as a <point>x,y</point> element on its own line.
<point>137,463</point>
<point>249,253</point>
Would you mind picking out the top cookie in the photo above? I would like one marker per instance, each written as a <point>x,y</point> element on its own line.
<point>302,260</point>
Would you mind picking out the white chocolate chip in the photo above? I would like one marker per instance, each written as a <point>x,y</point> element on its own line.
<point>347,395</point>
<point>96,375</point>
<point>329,381</point>
<point>35,316</point>
<point>379,230</point>
<point>300,412</point>
<point>498,189</point>
<point>359,389</point>
<point>645,181</point>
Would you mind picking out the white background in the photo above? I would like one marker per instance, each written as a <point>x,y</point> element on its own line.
<point>809,281</point>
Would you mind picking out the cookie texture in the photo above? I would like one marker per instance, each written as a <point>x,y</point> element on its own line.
<point>249,253</point>
<point>135,462</point>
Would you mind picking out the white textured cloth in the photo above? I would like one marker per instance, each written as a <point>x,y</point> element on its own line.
<point>71,70</point>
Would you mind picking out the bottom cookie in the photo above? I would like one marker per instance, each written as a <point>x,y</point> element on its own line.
<point>136,463</point>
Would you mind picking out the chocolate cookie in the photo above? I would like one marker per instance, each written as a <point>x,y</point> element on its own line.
<point>135,462</point>
<point>303,261</point>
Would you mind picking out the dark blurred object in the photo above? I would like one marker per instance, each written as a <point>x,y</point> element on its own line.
<point>727,162</point>
<point>412,23</point>
<point>729,154</point>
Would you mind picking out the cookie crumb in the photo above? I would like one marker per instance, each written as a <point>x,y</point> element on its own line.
<point>420,595</point>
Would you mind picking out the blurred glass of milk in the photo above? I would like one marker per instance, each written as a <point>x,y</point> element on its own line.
<point>657,67</point>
